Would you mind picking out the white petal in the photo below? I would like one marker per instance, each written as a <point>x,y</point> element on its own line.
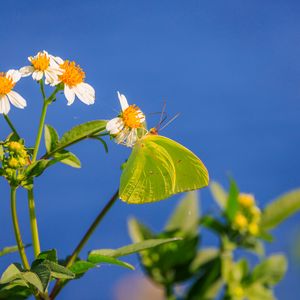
<point>131,138</point>
<point>123,101</point>
<point>4,105</point>
<point>35,75</point>
<point>70,94</point>
<point>50,76</point>
<point>115,125</point>
<point>39,75</point>
<point>56,60</point>
<point>16,99</point>
<point>15,75</point>
<point>84,93</point>
<point>26,71</point>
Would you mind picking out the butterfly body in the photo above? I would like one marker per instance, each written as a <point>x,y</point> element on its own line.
<point>158,168</point>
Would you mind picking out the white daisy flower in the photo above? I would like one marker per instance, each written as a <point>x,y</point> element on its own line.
<point>42,64</point>
<point>125,127</point>
<point>7,82</point>
<point>73,79</point>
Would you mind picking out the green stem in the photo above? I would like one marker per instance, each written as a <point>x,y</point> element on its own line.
<point>60,283</point>
<point>17,228</point>
<point>10,124</point>
<point>40,131</point>
<point>33,224</point>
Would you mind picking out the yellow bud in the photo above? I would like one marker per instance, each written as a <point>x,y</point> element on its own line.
<point>22,162</point>
<point>15,146</point>
<point>246,200</point>
<point>256,213</point>
<point>238,291</point>
<point>13,163</point>
<point>253,228</point>
<point>240,221</point>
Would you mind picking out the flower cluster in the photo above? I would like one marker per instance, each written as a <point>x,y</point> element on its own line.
<point>15,158</point>
<point>248,217</point>
<point>62,74</point>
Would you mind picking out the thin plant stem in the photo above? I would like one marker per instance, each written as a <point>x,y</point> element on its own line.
<point>31,203</point>
<point>33,224</point>
<point>60,283</point>
<point>10,124</point>
<point>17,228</point>
<point>40,130</point>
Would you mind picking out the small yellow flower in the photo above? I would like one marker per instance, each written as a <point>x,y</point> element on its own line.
<point>72,77</point>
<point>246,200</point>
<point>8,81</point>
<point>22,162</point>
<point>13,163</point>
<point>42,64</point>
<point>253,229</point>
<point>15,146</point>
<point>240,221</point>
<point>256,213</point>
<point>238,291</point>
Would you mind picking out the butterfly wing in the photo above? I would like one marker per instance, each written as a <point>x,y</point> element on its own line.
<point>158,168</point>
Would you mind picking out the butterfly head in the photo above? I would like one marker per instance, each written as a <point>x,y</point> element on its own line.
<point>153,131</point>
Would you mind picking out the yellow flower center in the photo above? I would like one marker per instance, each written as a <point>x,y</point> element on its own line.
<point>6,84</point>
<point>40,62</point>
<point>72,75</point>
<point>131,117</point>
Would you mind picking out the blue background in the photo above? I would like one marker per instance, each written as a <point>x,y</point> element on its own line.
<point>232,70</point>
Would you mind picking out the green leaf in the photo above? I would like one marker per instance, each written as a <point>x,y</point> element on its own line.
<point>280,209</point>
<point>271,270</point>
<point>203,257</point>
<point>139,232</point>
<point>259,292</point>
<point>208,284</point>
<point>81,132</point>
<point>33,279</point>
<point>16,290</point>
<point>130,249</point>
<point>81,266</point>
<point>186,215</point>
<point>219,194</point>
<point>12,272</point>
<point>10,249</point>
<point>59,271</point>
<point>68,158</point>
<point>51,138</point>
<point>37,168</point>
<point>49,255</point>
<point>101,259</point>
<point>232,202</point>
<point>44,274</point>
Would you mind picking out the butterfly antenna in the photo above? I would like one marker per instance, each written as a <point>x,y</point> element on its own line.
<point>170,121</point>
<point>163,116</point>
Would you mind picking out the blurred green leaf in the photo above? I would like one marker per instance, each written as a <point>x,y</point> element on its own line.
<point>139,232</point>
<point>186,215</point>
<point>203,257</point>
<point>271,270</point>
<point>10,249</point>
<point>16,290</point>
<point>280,209</point>
<point>208,284</point>
<point>130,249</point>
<point>219,194</point>
<point>259,292</point>
<point>100,259</point>
<point>51,138</point>
<point>232,202</point>
<point>80,267</point>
